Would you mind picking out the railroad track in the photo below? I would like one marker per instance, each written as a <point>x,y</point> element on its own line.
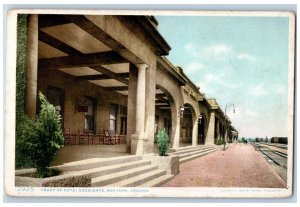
<point>277,157</point>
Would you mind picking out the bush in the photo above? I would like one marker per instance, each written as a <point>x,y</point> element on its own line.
<point>162,142</point>
<point>221,141</point>
<point>26,134</point>
<point>42,138</point>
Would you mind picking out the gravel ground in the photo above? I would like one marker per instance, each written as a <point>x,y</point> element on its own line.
<point>239,166</point>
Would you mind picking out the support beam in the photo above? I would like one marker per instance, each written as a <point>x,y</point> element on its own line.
<point>86,60</point>
<point>51,20</point>
<point>57,44</point>
<point>117,88</point>
<point>101,77</point>
<point>161,102</point>
<point>88,26</point>
<point>110,74</point>
<point>107,74</point>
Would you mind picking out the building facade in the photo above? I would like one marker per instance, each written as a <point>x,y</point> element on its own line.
<point>110,73</point>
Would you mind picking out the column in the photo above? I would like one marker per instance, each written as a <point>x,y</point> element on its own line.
<point>131,106</point>
<point>31,66</point>
<point>195,132</point>
<point>211,128</point>
<point>176,128</point>
<point>137,139</point>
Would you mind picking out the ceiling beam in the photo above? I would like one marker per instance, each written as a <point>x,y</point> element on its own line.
<point>101,77</point>
<point>48,39</point>
<point>50,20</point>
<point>117,88</point>
<point>161,101</point>
<point>110,74</point>
<point>44,37</point>
<point>91,28</point>
<point>85,60</point>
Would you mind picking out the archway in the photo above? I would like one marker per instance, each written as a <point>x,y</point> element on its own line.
<point>186,125</point>
<point>202,125</point>
<point>165,112</point>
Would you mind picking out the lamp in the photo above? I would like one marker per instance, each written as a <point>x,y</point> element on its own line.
<point>200,118</point>
<point>181,110</point>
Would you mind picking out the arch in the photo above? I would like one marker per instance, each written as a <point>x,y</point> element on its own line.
<point>173,91</point>
<point>173,121</point>
<point>202,129</point>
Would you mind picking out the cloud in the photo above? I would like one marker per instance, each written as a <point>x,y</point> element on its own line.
<point>194,67</point>
<point>258,90</point>
<point>245,56</point>
<point>250,113</point>
<point>213,51</point>
<point>280,89</point>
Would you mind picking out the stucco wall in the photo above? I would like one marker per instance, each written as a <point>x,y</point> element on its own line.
<point>75,92</point>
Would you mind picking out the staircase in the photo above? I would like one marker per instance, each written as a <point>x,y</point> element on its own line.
<point>189,153</point>
<point>125,171</point>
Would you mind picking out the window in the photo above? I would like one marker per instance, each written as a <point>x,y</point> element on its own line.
<point>89,124</point>
<point>113,118</point>
<point>123,125</point>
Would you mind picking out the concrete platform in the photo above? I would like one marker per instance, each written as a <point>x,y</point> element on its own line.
<point>239,166</point>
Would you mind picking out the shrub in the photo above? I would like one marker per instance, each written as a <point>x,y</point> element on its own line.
<point>26,134</point>
<point>219,142</point>
<point>42,138</point>
<point>162,142</point>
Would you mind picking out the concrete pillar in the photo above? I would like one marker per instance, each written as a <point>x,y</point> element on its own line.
<point>211,129</point>
<point>218,133</point>
<point>176,128</point>
<point>31,66</point>
<point>131,106</point>
<point>195,132</point>
<point>150,106</point>
<point>137,139</point>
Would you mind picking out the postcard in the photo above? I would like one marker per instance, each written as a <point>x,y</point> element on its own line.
<point>112,103</point>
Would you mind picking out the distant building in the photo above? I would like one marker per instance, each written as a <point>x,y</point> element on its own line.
<point>281,140</point>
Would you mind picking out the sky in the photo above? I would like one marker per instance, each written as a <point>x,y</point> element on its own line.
<point>239,60</point>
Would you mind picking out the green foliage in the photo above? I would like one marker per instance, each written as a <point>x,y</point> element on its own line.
<point>26,134</point>
<point>221,141</point>
<point>50,136</point>
<point>162,142</point>
<point>23,123</point>
<point>21,63</point>
<point>42,138</point>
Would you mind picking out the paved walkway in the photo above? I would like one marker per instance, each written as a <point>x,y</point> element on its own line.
<point>239,166</point>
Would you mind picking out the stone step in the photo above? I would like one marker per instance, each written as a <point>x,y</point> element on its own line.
<point>192,150</point>
<point>100,171</point>
<point>96,162</point>
<point>139,179</point>
<point>118,176</point>
<point>157,181</point>
<point>173,150</point>
<point>181,156</point>
<point>195,156</point>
